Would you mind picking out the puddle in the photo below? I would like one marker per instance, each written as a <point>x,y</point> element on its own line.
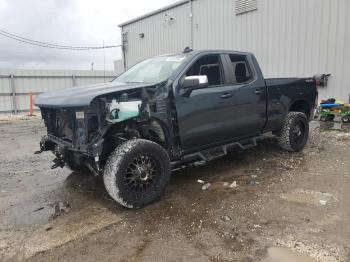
<point>278,254</point>
<point>328,220</point>
<point>309,197</point>
<point>225,186</point>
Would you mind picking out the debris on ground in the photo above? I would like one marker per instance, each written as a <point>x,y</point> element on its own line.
<point>206,186</point>
<point>233,184</point>
<point>323,202</point>
<point>226,218</point>
<point>38,209</point>
<point>252,182</point>
<point>60,208</point>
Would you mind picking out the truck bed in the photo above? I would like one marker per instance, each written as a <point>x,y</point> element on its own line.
<point>283,92</point>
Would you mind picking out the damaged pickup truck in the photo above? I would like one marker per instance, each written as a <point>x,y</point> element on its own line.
<point>170,111</point>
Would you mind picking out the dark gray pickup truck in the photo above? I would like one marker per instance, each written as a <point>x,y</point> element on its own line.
<point>169,111</point>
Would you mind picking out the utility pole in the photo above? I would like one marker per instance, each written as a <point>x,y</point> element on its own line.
<point>104,62</point>
<point>191,22</point>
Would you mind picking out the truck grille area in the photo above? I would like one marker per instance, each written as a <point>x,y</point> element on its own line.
<point>64,124</point>
<point>59,123</point>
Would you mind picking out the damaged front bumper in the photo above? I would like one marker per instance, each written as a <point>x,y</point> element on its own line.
<point>75,137</point>
<point>66,152</point>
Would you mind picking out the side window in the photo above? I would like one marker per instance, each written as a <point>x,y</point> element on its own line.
<point>210,66</point>
<point>241,70</point>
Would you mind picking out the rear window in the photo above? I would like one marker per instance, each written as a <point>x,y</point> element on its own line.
<point>241,69</point>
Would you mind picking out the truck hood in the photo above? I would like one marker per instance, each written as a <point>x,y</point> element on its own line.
<point>83,95</point>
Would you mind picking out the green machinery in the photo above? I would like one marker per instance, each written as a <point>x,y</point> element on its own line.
<point>329,111</point>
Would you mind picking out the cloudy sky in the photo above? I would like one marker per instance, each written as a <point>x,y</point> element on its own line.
<point>66,22</point>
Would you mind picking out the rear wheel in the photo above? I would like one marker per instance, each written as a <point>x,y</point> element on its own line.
<point>295,132</point>
<point>136,173</point>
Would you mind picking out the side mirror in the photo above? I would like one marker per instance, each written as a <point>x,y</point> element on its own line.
<point>195,82</point>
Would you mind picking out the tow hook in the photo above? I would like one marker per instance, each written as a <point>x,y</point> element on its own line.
<point>45,145</point>
<point>58,162</point>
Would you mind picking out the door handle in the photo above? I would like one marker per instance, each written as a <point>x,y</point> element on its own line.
<point>259,92</point>
<point>226,95</point>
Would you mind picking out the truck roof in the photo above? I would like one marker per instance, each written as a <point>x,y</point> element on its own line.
<point>220,51</point>
<point>195,52</point>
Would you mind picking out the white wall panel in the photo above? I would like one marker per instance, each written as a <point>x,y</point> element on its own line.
<point>160,37</point>
<point>289,37</point>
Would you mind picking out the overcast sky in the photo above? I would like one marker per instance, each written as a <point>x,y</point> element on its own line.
<point>66,22</point>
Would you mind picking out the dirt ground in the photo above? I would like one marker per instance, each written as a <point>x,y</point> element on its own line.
<point>262,205</point>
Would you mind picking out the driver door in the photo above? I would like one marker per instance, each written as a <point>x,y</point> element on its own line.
<point>205,115</point>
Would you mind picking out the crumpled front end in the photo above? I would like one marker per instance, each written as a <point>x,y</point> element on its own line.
<point>76,135</point>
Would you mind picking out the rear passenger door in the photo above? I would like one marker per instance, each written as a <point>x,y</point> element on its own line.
<point>248,96</point>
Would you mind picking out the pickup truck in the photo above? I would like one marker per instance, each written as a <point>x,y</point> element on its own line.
<point>170,111</point>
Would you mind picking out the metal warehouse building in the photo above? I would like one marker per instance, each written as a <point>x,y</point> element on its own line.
<point>289,37</point>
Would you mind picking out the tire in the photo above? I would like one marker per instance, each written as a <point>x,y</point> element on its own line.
<point>136,173</point>
<point>345,119</point>
<point>295,132</point>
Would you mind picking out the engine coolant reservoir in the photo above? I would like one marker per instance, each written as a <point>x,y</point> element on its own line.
<point>121,111</point>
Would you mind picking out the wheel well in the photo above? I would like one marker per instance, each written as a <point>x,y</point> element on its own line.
<point>156,132</point>
<point>301,106</point>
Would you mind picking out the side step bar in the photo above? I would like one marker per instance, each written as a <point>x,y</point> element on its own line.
<point>212,153</point>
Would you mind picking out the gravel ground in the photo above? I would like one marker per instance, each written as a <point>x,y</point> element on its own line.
<point>263,204</point>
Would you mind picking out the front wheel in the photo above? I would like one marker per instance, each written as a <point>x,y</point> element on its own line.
<point>136,173</point>
<point>295,132</point>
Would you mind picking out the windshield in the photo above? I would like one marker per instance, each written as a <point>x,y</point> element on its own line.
<point>153,70</point>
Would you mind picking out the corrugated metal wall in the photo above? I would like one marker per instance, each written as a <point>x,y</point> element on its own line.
<point>161,36</point>
<point>15,84</point>
<point>289,37</point>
